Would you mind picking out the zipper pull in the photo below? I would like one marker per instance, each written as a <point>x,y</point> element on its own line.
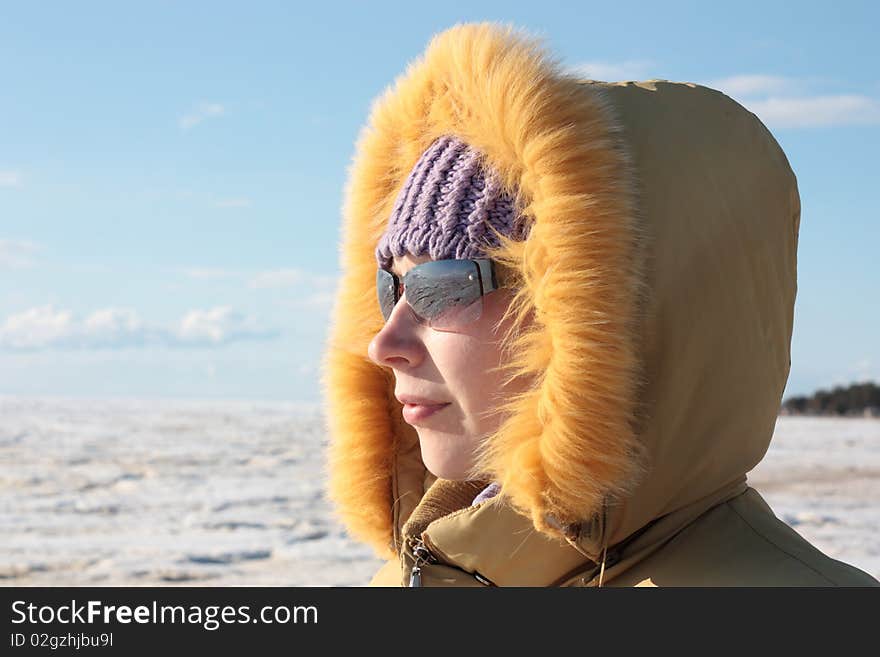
<point>421,554</point>
<point>415,577</point>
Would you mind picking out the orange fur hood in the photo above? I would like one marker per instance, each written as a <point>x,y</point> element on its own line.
<point>660,269</point>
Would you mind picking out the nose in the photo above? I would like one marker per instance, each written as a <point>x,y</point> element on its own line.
<point>398,344</point>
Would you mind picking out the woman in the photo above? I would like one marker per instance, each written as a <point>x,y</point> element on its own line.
<point>586,291</point>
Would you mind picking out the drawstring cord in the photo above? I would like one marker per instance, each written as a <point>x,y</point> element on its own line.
<point>571,538</point>
<point>602,568</point>
<point>604,540</point>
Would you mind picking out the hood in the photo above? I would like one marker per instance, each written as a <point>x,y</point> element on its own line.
<point>660,272</point>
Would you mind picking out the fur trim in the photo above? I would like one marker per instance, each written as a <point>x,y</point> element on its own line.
<point>570,441</point>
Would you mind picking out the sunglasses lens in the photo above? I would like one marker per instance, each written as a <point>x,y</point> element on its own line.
<point>458,316</point>
<point>445,294</point>
<point>385,288</point>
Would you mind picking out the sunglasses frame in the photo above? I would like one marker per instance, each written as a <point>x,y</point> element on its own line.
<point>486,278</point>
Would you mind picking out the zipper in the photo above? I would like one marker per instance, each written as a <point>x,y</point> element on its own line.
<point>421,554</point>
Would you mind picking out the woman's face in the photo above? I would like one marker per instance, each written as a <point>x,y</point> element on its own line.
<point>445,367</point>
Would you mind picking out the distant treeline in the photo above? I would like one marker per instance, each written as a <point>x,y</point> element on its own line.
<point>858,399</point>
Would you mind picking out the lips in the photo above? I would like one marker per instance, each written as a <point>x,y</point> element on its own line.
<point>417,409</point>
<point>416,413</point>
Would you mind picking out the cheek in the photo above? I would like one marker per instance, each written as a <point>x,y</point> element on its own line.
<point>457,356</point>
<point>468,366</point>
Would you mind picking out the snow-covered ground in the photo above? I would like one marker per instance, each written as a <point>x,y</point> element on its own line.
<point>822,477</point>
<point>106,493</point>
<point>111,492</point>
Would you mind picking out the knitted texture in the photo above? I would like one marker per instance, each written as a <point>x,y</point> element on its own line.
<point>446,206</point>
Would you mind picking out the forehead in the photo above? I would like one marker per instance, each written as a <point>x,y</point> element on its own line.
<point>401,265</point>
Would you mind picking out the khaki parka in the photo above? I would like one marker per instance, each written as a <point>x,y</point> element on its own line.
<point>660,273</point>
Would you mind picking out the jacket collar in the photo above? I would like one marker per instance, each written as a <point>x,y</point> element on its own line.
<point>496,543</point>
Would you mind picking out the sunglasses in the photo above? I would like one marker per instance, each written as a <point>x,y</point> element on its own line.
<point>443,294</point>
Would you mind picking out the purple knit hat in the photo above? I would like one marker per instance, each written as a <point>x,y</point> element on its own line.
<point>446,206</point>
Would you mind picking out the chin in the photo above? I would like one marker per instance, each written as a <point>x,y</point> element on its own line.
<point>444,469</point>
<point>444,473</point>
<point>445,455</point>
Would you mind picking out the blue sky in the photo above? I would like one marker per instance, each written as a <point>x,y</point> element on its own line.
<point>171,175</point>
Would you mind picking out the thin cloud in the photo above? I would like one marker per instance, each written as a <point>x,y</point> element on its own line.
<point>317,300</point>
<point>859,372</point>
<point>289,277</point>
<point>210,273</point>
<point>233,203</point>
<point>864,371</point>
<point>114,327</point>
<point>10,178</point>
<point>317,289</point>
<point>779,101</point>
<point>46,327</point>
<point>201,113</point>
<point>749,85</point>
<point>281,278</point>
<point>812,111</point>
<point>218,326</point>
<point>36,328</point>
<point>784,102</point>
<point>613,71</point>
<point>17,254</point>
